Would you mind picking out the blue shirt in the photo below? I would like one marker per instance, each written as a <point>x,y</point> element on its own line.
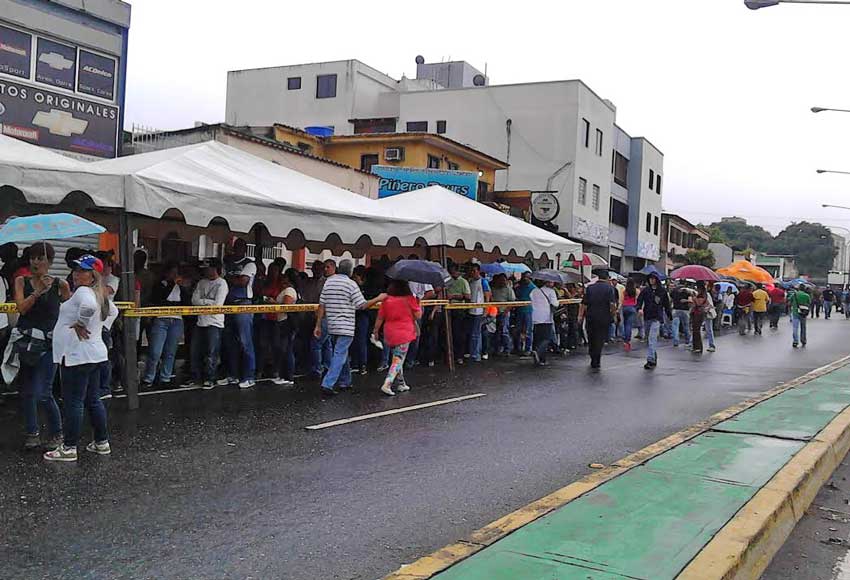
<point>523,294</point>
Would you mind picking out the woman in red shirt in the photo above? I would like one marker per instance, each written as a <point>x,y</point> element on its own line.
<point>398,315</point>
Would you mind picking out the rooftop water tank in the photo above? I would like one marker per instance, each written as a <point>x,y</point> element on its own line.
<point>320,131</point>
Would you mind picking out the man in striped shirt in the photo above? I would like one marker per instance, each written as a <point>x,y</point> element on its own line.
<point>340,299</point>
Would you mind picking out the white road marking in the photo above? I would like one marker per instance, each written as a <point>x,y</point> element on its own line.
<point>392,412</point>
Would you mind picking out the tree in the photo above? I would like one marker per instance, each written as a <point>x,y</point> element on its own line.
<point>811,243</point>
<point>700,257</point>
<point>715,234</point>
<point>739,235</point>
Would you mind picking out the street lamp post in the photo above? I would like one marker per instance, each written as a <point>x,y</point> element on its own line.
<point>822,109</point>
<point>756,4</point>
<point>832,171</point>
<point>835,206</point>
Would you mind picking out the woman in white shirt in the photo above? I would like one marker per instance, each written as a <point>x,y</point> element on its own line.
<point>285,343</point>
<point>79,350</point>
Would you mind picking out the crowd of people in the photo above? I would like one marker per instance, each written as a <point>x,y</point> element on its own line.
<point>364,321</point>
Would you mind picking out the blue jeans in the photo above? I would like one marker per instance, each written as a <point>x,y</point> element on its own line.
<point>206,344</point>
<point>360,348</point>
<point>80,388</point>
<point>504,343</point>
<point>164,336</point>
<point>475,321</point>
<point>652,329</point>
<point>36,386</point>
<point>681,323</point>
<point>709,332</point>
<point>798,326</point>
<point>321,349</point>
<point>526,326</point>
<point>339,370</point>
<point>629,315</point>
<point>827,308</point>
<point>239,346</point>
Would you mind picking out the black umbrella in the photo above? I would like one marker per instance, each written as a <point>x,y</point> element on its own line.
<point>547,275</point>
<point>419,271</point>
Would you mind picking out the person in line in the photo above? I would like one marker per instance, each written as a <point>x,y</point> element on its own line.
<point>284,340</point>
<point>502,291</point>
<point>479,290</point>
<point>598,307</point>
<point>78,347</point>
<point>398,316</point>
<point>700,303</point>
<point>238,338</point>
<point>681,296</point>
<point>544,301</point>
<point>420,291</point>
<point>265,325</point>
<point>654,303</point>
<point>525,324</point>
<point>340,299</point>
<point>801,304</point>
<point>360,347</point>
<point>211,290</point>
<point>629,312</point>
<point>828,298</point>
<point>744,307</point>
<point>761,301</point>
<point>458,290</point>
<point>311,290</point>
<point>38,297</point>
<point>165,331</point>
<point>777,306</point>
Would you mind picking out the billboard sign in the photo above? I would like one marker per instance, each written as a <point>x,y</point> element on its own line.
<point>97,75</point>
<point>395,180</point>
<point>58,120</point>
<point>56,64</point>
<point>15,52</point>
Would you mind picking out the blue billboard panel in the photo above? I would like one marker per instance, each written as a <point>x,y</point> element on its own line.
<point>395,180</point>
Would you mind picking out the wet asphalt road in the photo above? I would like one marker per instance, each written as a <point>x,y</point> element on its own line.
<point>228,484</point>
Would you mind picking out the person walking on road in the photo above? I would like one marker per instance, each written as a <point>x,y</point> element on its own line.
<point>654,303</point>
<point>744,307</point>
<point>801,303</point>
<point>828,297</point>
<point>699,308</point>
<point>399,316</point>
<point>761,300</point>
<point>340,299</point>
<point>777,306</point>
<point>544,301</point>
<point>629,313</point>
<point>598,308</point>
<point>681,298</point>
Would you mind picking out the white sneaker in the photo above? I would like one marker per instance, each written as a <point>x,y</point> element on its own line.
<point>226,381</point>
<point>209,385</point>
<point>485,356</point>
<point>247,384</point>
<point>62,453</point>
<point>387,390</point>
<point>99,448</point>
<point>402,388</point>
<point>282,382</point>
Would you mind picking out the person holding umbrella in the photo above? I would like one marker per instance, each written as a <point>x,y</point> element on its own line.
<point>653,302</point>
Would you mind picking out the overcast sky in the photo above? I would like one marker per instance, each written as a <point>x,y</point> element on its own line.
<point>723,91</point>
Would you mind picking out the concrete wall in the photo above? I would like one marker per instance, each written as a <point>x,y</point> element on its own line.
<point>723,254</point>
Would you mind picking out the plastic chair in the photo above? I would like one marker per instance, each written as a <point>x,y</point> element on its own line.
<point>726,319</point>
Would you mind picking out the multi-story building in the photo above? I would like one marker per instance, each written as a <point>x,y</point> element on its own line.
<point>62,73</point>
<point>678,235</point>
<point>559,137</point>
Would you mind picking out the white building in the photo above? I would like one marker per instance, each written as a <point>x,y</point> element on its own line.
<point>557,136</point>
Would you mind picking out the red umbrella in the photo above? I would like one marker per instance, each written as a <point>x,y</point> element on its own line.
<point>695,272</point>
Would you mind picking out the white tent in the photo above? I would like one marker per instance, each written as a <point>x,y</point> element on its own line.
<point>467,222</point>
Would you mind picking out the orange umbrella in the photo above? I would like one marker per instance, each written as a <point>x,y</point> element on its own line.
<point>746,271</point>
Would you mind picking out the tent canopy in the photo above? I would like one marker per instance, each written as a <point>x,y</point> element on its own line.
<point>468,223</point>
<point>744,270</point>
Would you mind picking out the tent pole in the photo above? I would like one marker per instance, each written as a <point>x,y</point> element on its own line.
<point>127,293</point>
<point>449,342</point>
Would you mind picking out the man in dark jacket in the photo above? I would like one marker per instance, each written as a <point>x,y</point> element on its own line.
<point>653,302</point>
<point>597,308</point>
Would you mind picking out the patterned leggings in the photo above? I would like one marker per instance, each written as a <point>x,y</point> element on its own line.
<point>397,356</point>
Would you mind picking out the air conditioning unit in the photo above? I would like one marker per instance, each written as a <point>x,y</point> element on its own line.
<point>394,154</point>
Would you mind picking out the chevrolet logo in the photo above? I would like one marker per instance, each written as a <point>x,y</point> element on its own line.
<point>60,123</point>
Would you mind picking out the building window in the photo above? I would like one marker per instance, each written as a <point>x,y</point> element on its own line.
<point>648,222</point>
<point>595,196</point>
<point>615,262</point>
<point>368,160</point>
<point>599,137</point>
<point>452,165</point>
<point>658,183</point>
<point>293,84</point>
<point>586,124</point>
<point>417,126</point>
<point>382,125</point>
<point>621,170</point>
<point>656,225</point>
<point>483,188</point>
<point>651,180</point>
<point>582,191</point>
<point>326,86</point>
<point>433,162</point>
<point>441,127</point>
<point>619,213</point>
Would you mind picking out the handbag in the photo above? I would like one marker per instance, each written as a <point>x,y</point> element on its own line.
<point>31,348</point>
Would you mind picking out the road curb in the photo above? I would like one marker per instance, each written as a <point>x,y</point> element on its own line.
<point>746,547</point>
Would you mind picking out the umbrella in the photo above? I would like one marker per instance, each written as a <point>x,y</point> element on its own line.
<point>419,271</point>
<point>723,286</point>
<point>515,268</point>
<point>493,269</point>
<point>695,272</point>
<point>50,226</point>
<point>547,275</point>
<point>587,259</point>
<point>799,282</point>
<point>745,270</point>
<point>611,274</point>
<point>572,272</point>
<point>646,271</point>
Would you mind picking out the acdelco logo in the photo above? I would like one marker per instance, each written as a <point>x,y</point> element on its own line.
<point>96,71</point>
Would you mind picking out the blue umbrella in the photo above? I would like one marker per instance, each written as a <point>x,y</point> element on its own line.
<point>515,268</point>
<point>646,271</point>
<point>493,269</point>
<point>51,226</point>
<point>419,271</point>
<point>726,285</point>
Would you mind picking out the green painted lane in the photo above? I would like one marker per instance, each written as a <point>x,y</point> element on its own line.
<point>651,521</point>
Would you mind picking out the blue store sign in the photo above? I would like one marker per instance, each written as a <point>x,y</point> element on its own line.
<point>395,180</point>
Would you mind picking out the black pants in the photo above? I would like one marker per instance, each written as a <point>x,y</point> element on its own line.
<point>459,336</point>
<point>597,332</point>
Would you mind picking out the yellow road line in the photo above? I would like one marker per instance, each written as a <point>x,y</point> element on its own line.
<point>392,412</point>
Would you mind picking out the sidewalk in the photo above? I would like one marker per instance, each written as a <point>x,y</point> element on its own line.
<point>651,521</point>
